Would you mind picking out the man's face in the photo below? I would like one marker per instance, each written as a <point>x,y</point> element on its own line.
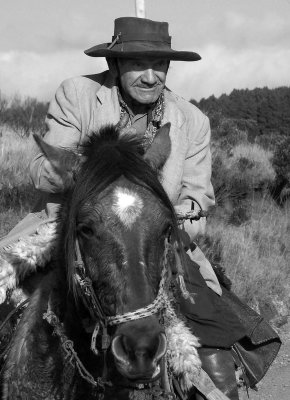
<point>142,81</point>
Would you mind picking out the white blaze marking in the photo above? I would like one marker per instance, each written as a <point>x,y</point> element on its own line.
<point>127,205</point>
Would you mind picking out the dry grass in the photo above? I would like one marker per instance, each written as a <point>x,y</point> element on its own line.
<point>16,191</point>
<point>15,155</point>
<point>256,255</point>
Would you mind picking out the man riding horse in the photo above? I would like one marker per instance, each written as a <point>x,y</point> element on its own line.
<point>133,93</point>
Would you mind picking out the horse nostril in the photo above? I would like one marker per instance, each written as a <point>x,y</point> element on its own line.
<point>162,346</point>
<point>119,351</point>
<point>139,355</point>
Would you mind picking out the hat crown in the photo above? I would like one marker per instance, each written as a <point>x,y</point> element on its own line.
<point>135,29</point>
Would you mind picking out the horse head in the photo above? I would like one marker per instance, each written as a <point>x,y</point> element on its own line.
<point>119,217</point>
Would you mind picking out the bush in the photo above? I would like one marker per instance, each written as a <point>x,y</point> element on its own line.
<point>227,134</point>
<point>281,159</point>
<point>280,189</point>
<point>23,116</point>
<point>238,172</point>
<point>249,166</point>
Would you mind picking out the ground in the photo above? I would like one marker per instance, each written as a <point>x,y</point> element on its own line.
<point>276,384</point>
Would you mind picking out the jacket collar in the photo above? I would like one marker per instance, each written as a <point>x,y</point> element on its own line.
<point>107,96</point>
<point>108,87</point>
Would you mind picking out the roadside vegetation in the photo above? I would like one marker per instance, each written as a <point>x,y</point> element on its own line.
<point>248,231</point>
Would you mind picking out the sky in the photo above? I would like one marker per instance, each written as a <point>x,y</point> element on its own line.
<point>243,43</point>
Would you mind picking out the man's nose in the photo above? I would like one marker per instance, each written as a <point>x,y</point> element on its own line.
<point>149,76</point>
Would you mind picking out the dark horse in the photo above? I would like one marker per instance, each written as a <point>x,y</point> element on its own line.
<point>80,336</point>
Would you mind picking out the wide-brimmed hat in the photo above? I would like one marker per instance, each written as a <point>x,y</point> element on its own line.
<point>140,38</point>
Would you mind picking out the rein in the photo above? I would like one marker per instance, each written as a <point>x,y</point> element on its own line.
<point>70,352</point>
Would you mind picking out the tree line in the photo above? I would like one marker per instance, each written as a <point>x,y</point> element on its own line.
<point>263,111</point>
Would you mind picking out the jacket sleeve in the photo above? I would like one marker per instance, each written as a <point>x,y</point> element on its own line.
<point>63,123</point>
<point>196,188</point>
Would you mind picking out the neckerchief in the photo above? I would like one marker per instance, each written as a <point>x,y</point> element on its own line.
<point>154,122</point>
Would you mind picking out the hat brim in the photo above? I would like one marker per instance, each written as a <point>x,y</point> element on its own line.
<point>102,50</point>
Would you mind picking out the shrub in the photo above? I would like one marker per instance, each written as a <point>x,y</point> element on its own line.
<point>24,116</point>
<point>227,134</point>
<point>238,172</point>
<point>249,166</point>
<point>281,159</point>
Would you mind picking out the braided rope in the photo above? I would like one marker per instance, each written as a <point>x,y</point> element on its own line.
<point>160,301</point>
<point>158,304</point>
<point>71,354</point>
<point>191,215</point>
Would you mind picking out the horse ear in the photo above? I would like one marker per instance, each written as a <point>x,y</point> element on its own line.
<point>63,161</point>
<point>160,148</point>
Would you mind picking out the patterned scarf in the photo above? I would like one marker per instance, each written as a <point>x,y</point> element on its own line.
<point>154,123</point>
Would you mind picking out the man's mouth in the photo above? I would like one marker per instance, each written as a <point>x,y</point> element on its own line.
<point>147,87</point>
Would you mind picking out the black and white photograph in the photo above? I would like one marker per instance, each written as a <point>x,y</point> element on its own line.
<point>145,200</point>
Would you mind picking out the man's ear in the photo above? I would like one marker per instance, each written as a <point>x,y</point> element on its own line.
<point>160,148</point>
<point>113,67</point>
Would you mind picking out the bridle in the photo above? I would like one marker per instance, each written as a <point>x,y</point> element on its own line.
<point>102,321</point>
<point>93,304</point>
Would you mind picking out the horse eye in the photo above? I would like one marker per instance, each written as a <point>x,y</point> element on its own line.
<point>85,230</point>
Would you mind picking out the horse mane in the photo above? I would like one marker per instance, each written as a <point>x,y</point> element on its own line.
<point>108,155</point>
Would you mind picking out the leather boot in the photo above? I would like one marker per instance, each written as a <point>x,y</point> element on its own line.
<point>219,365</point>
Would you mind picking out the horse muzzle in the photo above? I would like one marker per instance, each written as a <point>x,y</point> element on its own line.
<point>138,358</point>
